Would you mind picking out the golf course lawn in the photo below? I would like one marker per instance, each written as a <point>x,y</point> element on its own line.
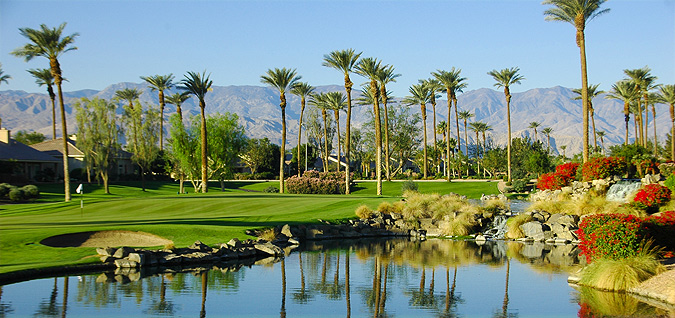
<point>212,218</point>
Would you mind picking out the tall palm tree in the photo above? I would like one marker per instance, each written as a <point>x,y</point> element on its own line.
<point>420,94</point>
<point>344,61</point>
<point>160,83</point>
<point>602,135</point>
<point>651,101</point>
<point>625,91</point>
<point>178,99</point>
<point>505,78</point>
<point>320,101</point>
<point>198,85</point>
<point>534,125</point>
<point>441,128</point>
<point>564,148</point>
<point>43,76</point>
<point>303,90</point>
<point>484,127</point>
<point>384,77</point>
<point>593,92</point>
<point>48,42</point>
<point>476,127</point>
<point>465,115</point>
<point>547,131</point>
<point>370,68</point>
<point>434,87</point>
<point>4,77</point>
<point>337,102</point>
<point>578,13</point>
<point>453,83</point>
<point>667,96</point>
<point>283,80</point>
<point>130,95</point>
<point>644,81</point>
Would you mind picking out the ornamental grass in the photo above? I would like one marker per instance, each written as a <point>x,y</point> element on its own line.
<point>364,212</point>
<point>462,224</point>
<point>621,274</point>
<point>513,225</point>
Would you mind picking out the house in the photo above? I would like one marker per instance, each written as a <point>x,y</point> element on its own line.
<point>20,163</point>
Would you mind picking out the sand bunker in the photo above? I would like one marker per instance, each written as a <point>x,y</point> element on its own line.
<point>105,239</point>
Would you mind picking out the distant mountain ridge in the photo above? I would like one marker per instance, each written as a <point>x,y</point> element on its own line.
<point>258,109</point>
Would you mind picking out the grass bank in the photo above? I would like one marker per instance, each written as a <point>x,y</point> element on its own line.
<point>213,217</point>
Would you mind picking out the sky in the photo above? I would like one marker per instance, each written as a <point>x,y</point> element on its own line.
<point>238,41</point>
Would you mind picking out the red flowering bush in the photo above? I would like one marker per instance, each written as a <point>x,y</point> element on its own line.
<point>563,175</point>
<point>315,182</point>
<point>613,236</point>
<point>651,196</point>
<point>646,166</point>
<point>600,168</point>
<point>661,229</point>
<point>568,170</point>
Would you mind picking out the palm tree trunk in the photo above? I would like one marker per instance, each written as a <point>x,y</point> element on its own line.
<point>387,168</point>
<point>424,125</point>
<point>64,130</point>
<point>283,146</point>
<point>635,125</point>
<point>656,143</point>
<point>508,141</point>
<point>325,141</point>
<point>466,140</point>
<point>53,98</point>
<point>581,42</point>
<point>459,142</point>
<point>672,132</point>
<point>205,168</point>
<point>348,89</point>
<point>626,114</point>
<point>592,113</point>
<point>378,138</point>
<point>161,120</point>
<point>302,111</point>
<point>447,131</point>
<point>337,125</point>
<point>438,166</point>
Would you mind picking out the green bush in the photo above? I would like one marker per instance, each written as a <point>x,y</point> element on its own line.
<point>611,236</point>
<point>31,191</point>
<point>670,182</point>
<point>271,189</point>
<point>16,194</point>
<point>409,185</point>
<point>519,186</point>
<point>4,190</point>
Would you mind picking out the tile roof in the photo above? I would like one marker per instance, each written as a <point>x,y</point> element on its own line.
<point>15,150</point>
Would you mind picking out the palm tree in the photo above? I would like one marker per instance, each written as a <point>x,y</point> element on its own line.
<point>505,78</point>
<point>43,76</point>
<point>283,80</point>
<point>453,83</point>
<point>370,68</point>
<point>344,61</point>
<point>130,95</point>
<point>465,115</point>
<point>547,131</point>
<point>602,135</point>
<point>564,147</point>
<point>302,90</point>
<point>420,94</point>
<point>625,91</point>
<point>434,87</point>
<point>593,92</point>
<point>178,99</point>
<point>320,101</point>
<point>386,76</point>
<point>441,129</point>
<point>534,125</point>
<point>643,82</point>
<point>49,43</point>
<point>3,77</point>
<point>578,13</point>
<point>651,101</point>
<point>667,96</point>
<point>475,127</point>
<point>198,85</point>
<point>337,102</point>
<point>160,83</point>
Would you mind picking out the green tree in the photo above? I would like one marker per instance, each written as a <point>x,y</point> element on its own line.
<point>667,96</point>
<point>130,95</point>
<point>283,80</point>
<point>534,125</point>
<point>578,13</point>
<point>464,116</point>
<point>337,102</point>
<point>4,77</point>
<point>259,155</point>
<point>43,76</point>
<point>144,136</point>
<point>183,144</point>
<point>160,83</point>
<point>624,91</point>
<point>454,84</point>
<point>643,81</point>
<point>386,76</point>
<point>370,68</point>
<point>505,78</point>
<point>420,94</point>
<point>50,44</point>
<point>199,85</point>
<point>226,141</point>
<point>29,138</point>
<point>99,133</point>
<point>344,61</point>
<point>321,102</point>
<point>602,135</point>
<point>303,90</point>
<point>434,87</point>
<point>547,131</point>
<point>178,99</point>
<point>593,92</point>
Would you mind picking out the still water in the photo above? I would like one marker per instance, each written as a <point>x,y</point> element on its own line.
<point>365,278</point>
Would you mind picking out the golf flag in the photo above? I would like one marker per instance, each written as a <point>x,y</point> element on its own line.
<point>79,189</point>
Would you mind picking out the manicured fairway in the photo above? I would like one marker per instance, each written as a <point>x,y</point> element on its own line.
<point>213,218</point>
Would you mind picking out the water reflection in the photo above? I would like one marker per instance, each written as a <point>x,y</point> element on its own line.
<point>376,278</point>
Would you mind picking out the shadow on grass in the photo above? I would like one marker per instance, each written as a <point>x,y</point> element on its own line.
<point>219,221</point>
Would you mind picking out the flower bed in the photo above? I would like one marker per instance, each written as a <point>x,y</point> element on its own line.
<point>600,168</point>
<point>563,175</point>
<point>613,236</point>
<point>651,196</point>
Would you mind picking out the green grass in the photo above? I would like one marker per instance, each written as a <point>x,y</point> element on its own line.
<point>213,218</point>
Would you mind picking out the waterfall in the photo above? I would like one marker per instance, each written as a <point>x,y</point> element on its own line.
<point>497,230</point>
<point>622,189</point>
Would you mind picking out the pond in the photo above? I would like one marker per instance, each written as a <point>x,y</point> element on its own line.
<point>347,278</point>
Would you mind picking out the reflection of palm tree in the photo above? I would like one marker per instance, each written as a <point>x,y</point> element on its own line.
<point>6,309</point>
<point>505,304</point>
<point>347,296</point>
<point>303,296</point>
<point>162,307</point>
<point>49,308</point>
<point>202,312</point>
<point>282,313</point>
<point>65,297</point>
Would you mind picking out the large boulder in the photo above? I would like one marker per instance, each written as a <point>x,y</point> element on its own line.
<point>533,229</point>
<point>269,249</point>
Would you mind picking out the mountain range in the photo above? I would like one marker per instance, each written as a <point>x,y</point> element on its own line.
<point>259,112</point>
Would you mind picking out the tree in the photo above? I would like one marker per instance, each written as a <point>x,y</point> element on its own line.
<point>624,91</point>
<point>337,102</point>
<point>199,85</point>
<point>178,99</point>
<point>420,94</point>
<point>50,44</point>
<point>320,101</point>
<point>43,76</point>
<point>593,92</point>
<point>130,95</point>
<point>441,129</point>
<point>282,79</point>
<point>160,83</point>
<point>602,135</point>
<point>453,83</point>
<point>29,138</point>
<point>534,125</point>
<point>465,115</point>
<point>547,131</point>
<point>370,68</point>
<point>303,90</point>
<point>183,143</point>
<point>98,133</point>
<point>226,141</point>
<point>505,78</point>
<point>578,13</point>
<point>4,77</point>
<point>475,127</point>
<point>144,136</point>
<point>258,155</point>
<point>643,81</point>
<point>386,76</point>
<point>434,87</point>
<point>564,147</point>
<point>667,96</point>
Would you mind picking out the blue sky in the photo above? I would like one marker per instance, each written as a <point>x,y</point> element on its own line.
<point>237,41</point>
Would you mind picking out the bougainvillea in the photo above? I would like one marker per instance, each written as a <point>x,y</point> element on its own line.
<point>315,182</point>
<point>600,168</point>
<point>613,236</point>
<point>661,229</point>
<point>651,196</point>
<point>563,175</point>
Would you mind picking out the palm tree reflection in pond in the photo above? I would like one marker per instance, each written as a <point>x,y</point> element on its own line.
<point>505,305</point>
<point>303,296</point>
<point>163,307</point>
<point>205,282</point>
<point>282,313</point>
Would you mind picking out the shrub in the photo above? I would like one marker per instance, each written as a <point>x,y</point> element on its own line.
<point>4,190</point>
<point>670,182</point>
<point>651,196</point>
<point>462,224</point>
<point>600,168</point>
<point>419,205</point>
<point>621,274</point>
<point>519,186</point>
<point>364,212</point>
<point>613,236</point>
<point>666,169</point>
<point>564,174</point>
<point>388,208</point>
<point>315,182</point>
<point>409,185</point>
<point>568,170</point>
<point>271,189</point>
<point>660,229</point>
<point>16,194</point>
<point>31,191</point>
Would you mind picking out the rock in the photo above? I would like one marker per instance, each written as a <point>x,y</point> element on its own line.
<point>533,230</point>
<point>395,216</point>
<point>314,233</point>
<point>480,238</point>
<point>286,231</point>
<point>269,249</point>
<point>122,252</point>
<point>235,243</point>
<point>107,259</point>
<point>534,250</point>
<point>105,251</point>
<point>125,263</point>
<point>137,257</point>
<point>199,246</point>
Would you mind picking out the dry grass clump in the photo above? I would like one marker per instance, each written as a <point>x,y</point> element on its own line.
<point>586,205</point>
<point>553,207</point>
<point>364,212</point>
<point>388,207</point>
<point>448,205</point>
<point>170,247</point>
<point>490,207</point>
<point>462,224</point>
<point>513,224</point>
<point>419,205</point>
<point>620,275</point>
<point>269,235</point>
